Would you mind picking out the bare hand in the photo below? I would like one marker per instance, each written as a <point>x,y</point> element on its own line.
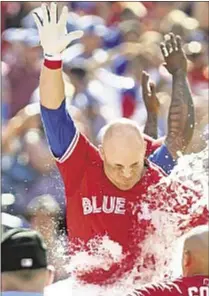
<point>174,56</point>
<point>149,94</point>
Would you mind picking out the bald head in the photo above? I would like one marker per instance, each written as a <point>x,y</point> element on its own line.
<point>196,246</point>
<point>122,129</point>
<point>123,151</point>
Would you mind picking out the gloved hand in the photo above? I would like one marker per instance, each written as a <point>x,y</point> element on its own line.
<point>53,36</point>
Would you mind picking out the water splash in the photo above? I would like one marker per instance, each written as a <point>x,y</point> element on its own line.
<point>164,243</point>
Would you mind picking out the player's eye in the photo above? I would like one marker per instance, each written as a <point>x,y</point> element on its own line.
<point>119,166</point>
<point>135,165</point>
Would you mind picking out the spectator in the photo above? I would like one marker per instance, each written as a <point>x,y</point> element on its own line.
<point>198,70</point>
<point>23,59</point>
<point>44,214</point>
<point>24,264</point>
<point>83,99</point>
<point>28,168</point>
<point>198,142</point>
<point>6,93</point>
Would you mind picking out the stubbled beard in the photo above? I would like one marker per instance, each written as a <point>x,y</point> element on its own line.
<point>119,185</point>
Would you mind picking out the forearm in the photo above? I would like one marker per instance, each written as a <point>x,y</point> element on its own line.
<point>151,125</point>
<point>181,115</point>
<point>18,125</point>
<point>51,88</point>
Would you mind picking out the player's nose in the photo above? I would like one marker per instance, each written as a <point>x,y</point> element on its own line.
<point>127,173</point>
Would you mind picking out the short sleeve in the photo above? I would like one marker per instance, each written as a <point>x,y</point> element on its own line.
<point>162,158</point>
<point>75,162</point>
<point>72,151</point>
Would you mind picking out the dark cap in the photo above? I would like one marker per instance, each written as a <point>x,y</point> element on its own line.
<point>22,249</point>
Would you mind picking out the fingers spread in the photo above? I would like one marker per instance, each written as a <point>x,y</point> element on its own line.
<point>145,78</point>
<point>178,41</point>
<point>37,20</point>
<point>168,46</point>
<point>63,16</point>
<point>173,42</point>
<point>53,13</point>
<point>74,35</point>
<point>152,88</point>
<point>70,37</point>
<point>45,14</point>
<point>163,50</point>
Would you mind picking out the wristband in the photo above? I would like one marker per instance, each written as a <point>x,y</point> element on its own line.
<point>53,62</point>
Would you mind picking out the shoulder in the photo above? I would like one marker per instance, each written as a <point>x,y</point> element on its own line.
<point>197,281</point>
<point>154,169</point>
<point>160,289</point>
<point>152,144</point>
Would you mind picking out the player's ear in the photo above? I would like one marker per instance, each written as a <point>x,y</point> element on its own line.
<point>50,275</point>
<point>187,258</point>
<point>145,146</point>
<point>101,152</point>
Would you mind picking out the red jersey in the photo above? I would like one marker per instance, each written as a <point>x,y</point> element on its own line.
<point>187,286</point>
<point>95,207</point>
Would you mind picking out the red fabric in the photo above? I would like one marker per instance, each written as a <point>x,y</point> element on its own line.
<point>128,105</point>
<point>152,144</point>
<point>186,286</point>
<point>54,65</point>
<point>199,75</point>
<point>87,190</point>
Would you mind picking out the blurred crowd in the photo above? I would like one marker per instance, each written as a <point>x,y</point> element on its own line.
<point>102,73</point>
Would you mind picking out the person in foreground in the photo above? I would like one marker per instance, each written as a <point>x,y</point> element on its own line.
<point>24,270</point>
<point>107,189</point>
<point>195,267</point>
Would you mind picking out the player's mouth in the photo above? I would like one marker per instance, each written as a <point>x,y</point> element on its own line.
<point>126,185</point>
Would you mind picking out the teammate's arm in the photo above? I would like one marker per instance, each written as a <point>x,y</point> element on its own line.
<point>152,106</point>
<point>160,155</point>
<point>181,113</point>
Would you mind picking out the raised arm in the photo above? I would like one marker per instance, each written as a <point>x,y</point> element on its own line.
<point>26,118</point>
<point>59,126</point>
<point>181,113</point>
<point>54,40</point>
<point>152,105</point>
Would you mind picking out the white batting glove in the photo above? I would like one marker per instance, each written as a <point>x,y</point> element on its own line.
<point>53,36</point>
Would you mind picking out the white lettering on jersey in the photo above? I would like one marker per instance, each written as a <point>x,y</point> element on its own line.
<point>87,207</point>
<point>120,206</point>
<point>105,204</point>
<point>94,205</point>
<point>202,291</point>
<point>110,204</point>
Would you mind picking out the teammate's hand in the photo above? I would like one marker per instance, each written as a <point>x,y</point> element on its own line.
<point>149,94</point>
<point>52,31</point>
<point>174,56</point>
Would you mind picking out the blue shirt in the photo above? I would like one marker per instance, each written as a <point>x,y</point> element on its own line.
<point>60,131</point>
